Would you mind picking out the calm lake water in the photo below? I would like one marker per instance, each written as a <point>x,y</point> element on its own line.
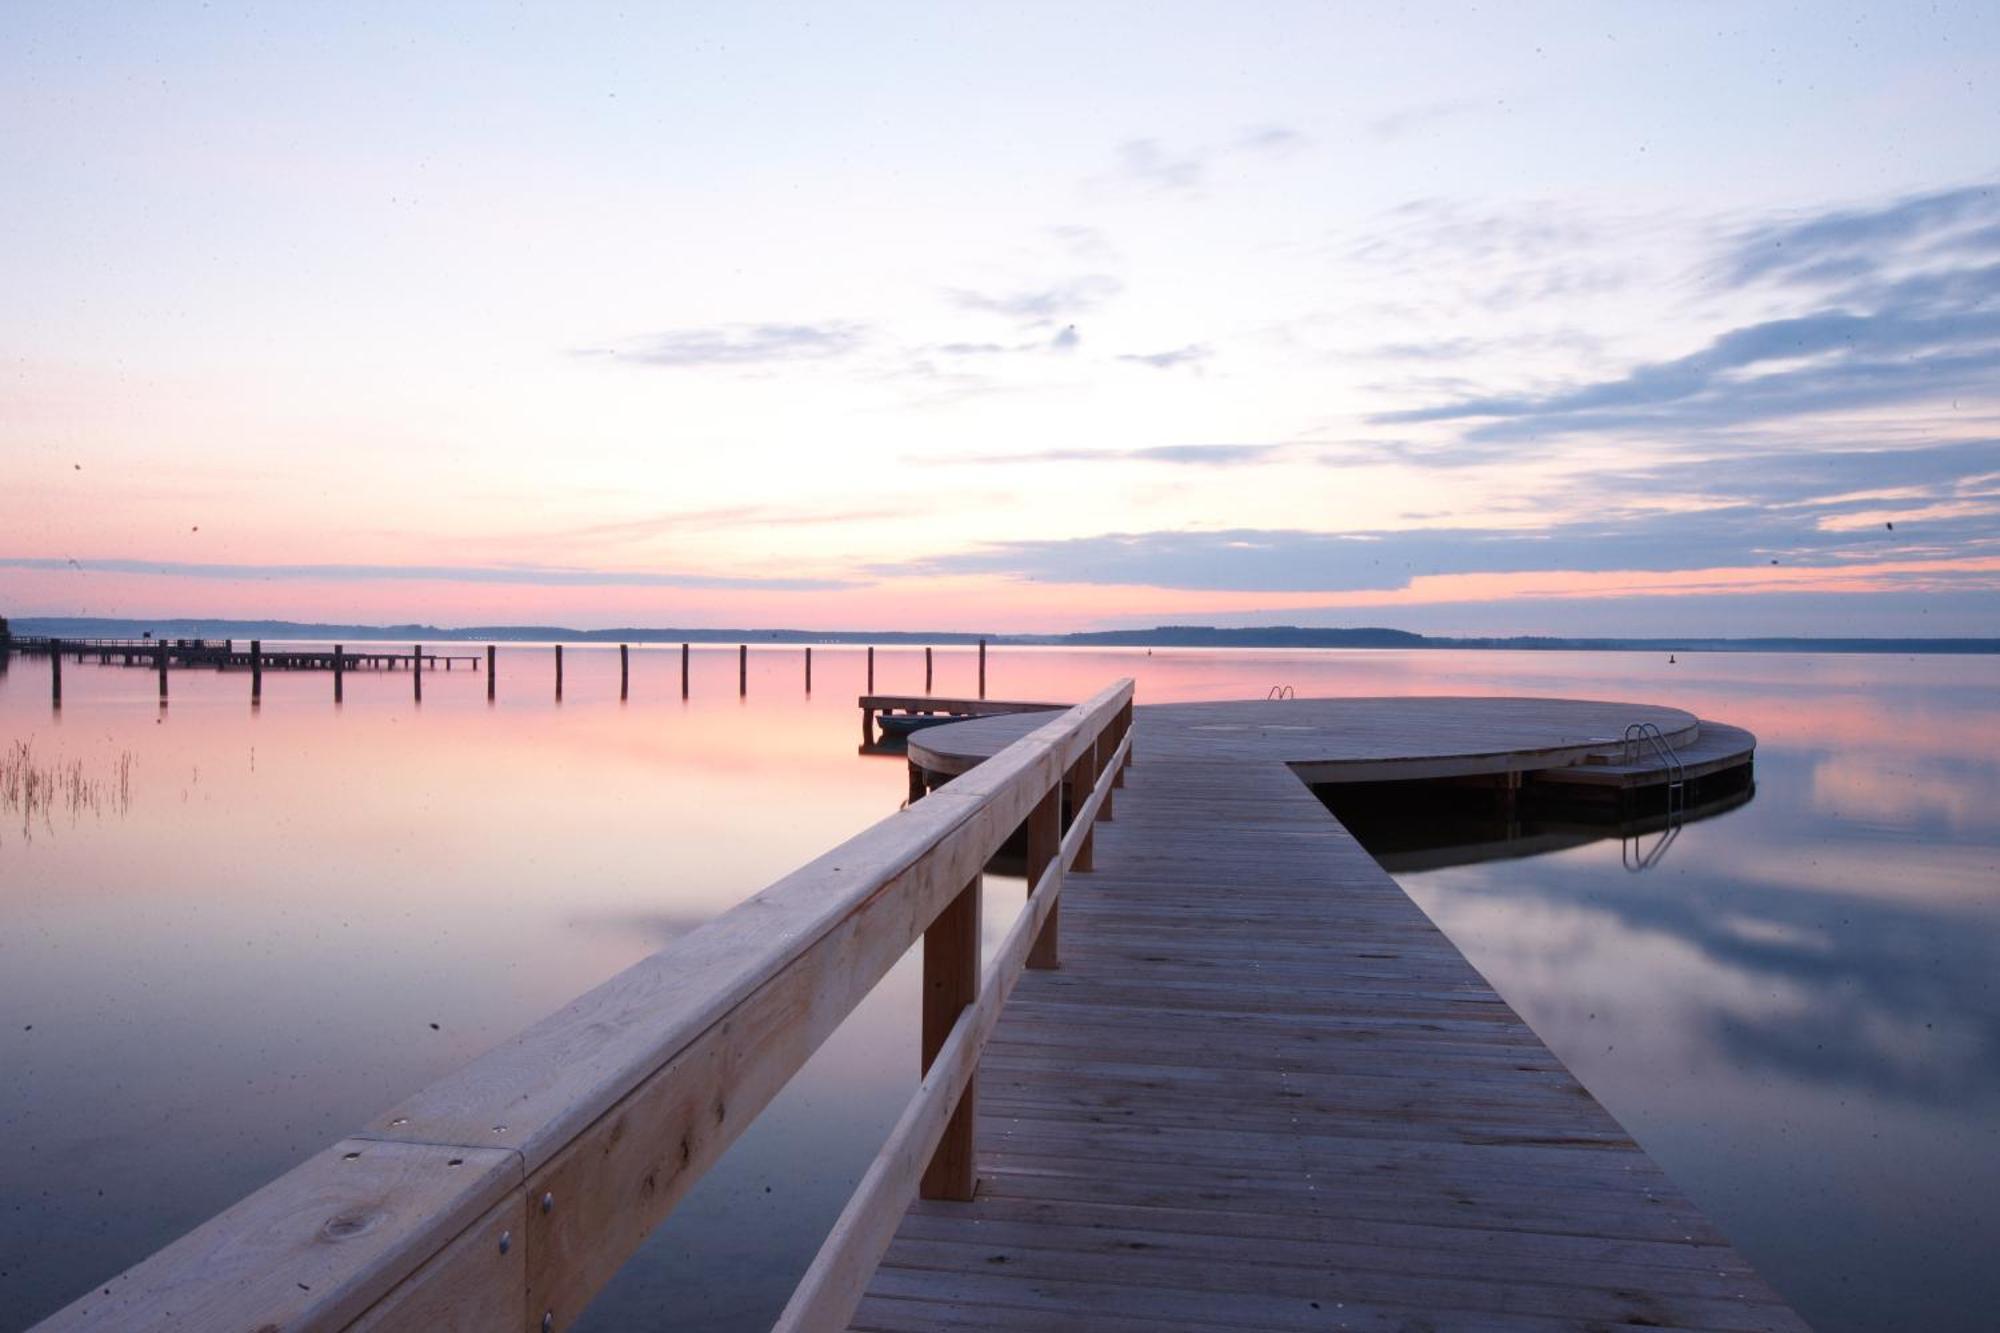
<point>230,936</point>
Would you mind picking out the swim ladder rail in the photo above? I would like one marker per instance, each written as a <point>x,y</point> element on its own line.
<point>508,1193</point>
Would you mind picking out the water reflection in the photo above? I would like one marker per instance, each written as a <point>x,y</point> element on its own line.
<point>1795,1010</point>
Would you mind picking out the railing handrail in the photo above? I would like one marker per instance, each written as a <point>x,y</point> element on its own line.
<point>511,1190</point>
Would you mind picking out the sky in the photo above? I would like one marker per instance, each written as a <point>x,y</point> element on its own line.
<point>1586,318</point>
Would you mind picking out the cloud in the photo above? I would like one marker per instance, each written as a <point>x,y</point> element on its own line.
<point>1146,163</point>
<point>1269,139</point>
<point>1042,305</point>
<point>1191,355</point>
<point>539,575</point>
<point>739,344</point>
<point>1198,455</point>
<point>1424,115</point>
<point>1728,534</point>
<point>1849,242</point>
<point>1090,244</point>
<point>1903,310</point>
<point>1851,361</point>
<point>1150,165</point>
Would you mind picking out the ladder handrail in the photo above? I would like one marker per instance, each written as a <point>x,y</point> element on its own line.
<point>1647,736</point>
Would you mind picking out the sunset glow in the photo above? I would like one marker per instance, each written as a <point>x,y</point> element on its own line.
<point>1528,319</point>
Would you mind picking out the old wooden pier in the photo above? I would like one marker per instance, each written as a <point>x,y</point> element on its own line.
<point>1221,1073</point>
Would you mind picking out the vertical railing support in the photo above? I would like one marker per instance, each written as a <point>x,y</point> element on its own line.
<point>1077,784</point>
<point>951,983</point>
<point>982,668</point>
<point>1044,844</point>
<point>1123,729</point>
<point>871,668</point>
<point>927,670</point>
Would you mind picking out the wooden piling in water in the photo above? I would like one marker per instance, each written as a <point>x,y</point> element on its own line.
<point>339,671</point>
<point>489,673</point>
<point>417,671</point>
<point>742,669</point>
<point>256,671</point>
<point>55,674</point>
<point>684,671</point>
<point>558,673</point>
<point>927,670</point>
<point>809,669</point>
<point>624,672</point>
<point>160,662</point>
<point>982,668</point>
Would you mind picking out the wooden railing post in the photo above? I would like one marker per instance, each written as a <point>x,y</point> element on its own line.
<point>927,670</point>
<point>982,668</point>
<point>951,984</point>
<point>1077,783</point>
<point>1100,759</point>
<point>1044,842</point>
<point>1124,728</point>
<point>871,668</point>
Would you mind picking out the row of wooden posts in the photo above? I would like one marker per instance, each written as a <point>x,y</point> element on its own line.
<point>417,670</point>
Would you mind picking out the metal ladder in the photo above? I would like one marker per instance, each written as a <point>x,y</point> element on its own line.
<point>1642,738</point>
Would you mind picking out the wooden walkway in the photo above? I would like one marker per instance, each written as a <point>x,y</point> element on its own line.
<point>1265,1092</point>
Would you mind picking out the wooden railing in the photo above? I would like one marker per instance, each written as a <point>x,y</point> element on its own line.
<point>508,1193</point>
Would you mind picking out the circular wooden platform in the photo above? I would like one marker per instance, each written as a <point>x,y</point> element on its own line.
<point>1347,740</point>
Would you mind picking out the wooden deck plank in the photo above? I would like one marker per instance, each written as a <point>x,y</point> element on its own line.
<point>1265,1091</point>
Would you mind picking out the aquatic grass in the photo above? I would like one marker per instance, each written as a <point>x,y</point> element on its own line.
<point>35,789</point>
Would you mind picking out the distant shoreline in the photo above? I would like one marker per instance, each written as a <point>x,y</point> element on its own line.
<point>1160,636</point>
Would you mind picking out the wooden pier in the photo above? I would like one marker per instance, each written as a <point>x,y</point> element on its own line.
<point>239,654</point>
<point>1221,1073</point>
<point>1264,1091</point>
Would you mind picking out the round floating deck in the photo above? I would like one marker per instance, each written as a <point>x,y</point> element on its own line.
<point>1348,740</point>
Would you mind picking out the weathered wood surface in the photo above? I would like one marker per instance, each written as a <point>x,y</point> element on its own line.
<point>1264,1091</point>
<point>1355,740</point>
